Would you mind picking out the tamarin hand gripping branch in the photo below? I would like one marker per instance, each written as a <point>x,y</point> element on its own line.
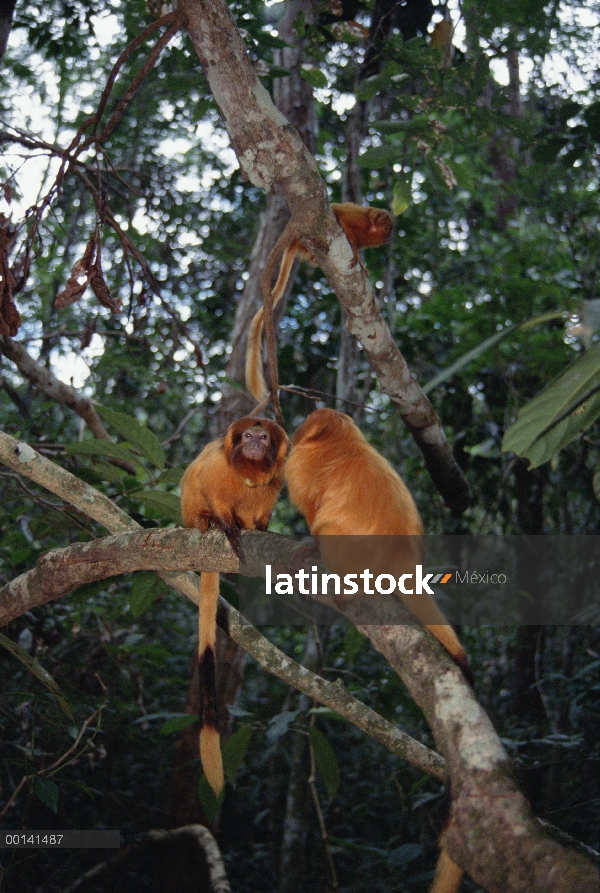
<point>234,484</point>
<point>345,488</point>
<point>364,227</point>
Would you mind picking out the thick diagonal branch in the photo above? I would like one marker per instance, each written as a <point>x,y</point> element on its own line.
<point>271,154</point>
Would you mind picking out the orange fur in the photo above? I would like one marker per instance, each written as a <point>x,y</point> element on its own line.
<point>345,488</point>
<point>364,228</point>
<point>234,484</point>
<point>448,875</point>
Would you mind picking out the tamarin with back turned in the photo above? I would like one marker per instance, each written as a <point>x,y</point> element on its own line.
<point>345,489</point>
<point>234,484</point>
<point>364,227</point>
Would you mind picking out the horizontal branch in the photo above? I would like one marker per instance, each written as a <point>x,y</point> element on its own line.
<point>23,458</point>
<point>57,390</point>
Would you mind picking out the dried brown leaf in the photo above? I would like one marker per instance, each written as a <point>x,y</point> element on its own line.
<point>10,318</point>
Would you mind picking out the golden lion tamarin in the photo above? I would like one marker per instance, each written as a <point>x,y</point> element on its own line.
<point>234,484</point>
<point>346,490</point>
<point>364,227</point>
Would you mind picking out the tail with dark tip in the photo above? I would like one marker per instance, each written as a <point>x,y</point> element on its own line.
<point>210,743</point>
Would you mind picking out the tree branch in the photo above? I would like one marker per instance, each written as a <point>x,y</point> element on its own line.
<point>30,590</point>
<point>57,390</point>
<point>271,154</point>
<point>492,834</point>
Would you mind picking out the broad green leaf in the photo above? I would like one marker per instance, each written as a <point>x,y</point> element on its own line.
<point>325,761</point>
<point>178,724</point>
<point>392,73</point>
<point>419,125</point>
<point>165,503</point>
<point>560,413</point>
<point>102,448</point>
<point>401,197</point>
<point>234,751</point>
<point>314,76</point>
<point>37,670</point>
<point>209,802</point>
<point>486,449</point>
<point>353,642</point>
<point>592,119</point>
<point>379,156</point>
<point>139,436</point>
<point>171,475</point>
<point>450,371</point>
<point>280,724</point>
<point>46,790</point>
<point>404,854</point>
<point>147,587</point>
<point>111,473</point>
<point>369,88</point>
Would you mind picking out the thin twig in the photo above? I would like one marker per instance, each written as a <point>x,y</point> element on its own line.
<point>324,836</point>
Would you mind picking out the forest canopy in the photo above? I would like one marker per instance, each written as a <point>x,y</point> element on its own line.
<point>147,171</point>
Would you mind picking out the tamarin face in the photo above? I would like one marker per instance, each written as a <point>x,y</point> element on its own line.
<point>254,444</point>
<point>255,447</point>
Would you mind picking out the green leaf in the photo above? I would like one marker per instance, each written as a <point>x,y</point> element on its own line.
<point>560,413</point>
<point>325,761</point>
<point>171,475</point>
<point>353,642</point>
<point>450,371</point>
<point>402,197</point>
<point>379,156</point>
<point>280,724</point>
<point>110,473</point>
<point>164,503</point>
<point>211,804</point>
<point>40,674</point>
<point>419,125</point>
<point>102,448</point>
<point>369,88</point>
<point>314,76</point>
<point>139,436</point>
<point>596,482</point>
<point>178,724</point>
<point>234,751</point>
<point>592,118</point>
<point>392,73</point>
<point>147,587</point>
<point>47,791</point>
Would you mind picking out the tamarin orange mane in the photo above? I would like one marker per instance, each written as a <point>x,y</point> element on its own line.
<point>234,484</point>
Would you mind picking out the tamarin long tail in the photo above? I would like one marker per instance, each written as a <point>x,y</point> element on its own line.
<point>210,743</point>
<point>255,380</point>
<point>448,876</point>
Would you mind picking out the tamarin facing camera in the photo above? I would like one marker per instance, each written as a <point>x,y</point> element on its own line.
<point>346,490</point>
<point>234,484</point>
<point>364,227</point>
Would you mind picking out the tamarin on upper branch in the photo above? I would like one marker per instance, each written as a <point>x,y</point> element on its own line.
<point>345,489</point>
<point>364,227</point>
<point>234,484</point>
